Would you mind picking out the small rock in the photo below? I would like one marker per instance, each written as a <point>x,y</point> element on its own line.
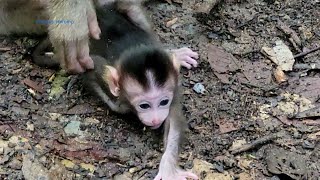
<point>245,176</point>
<point>280,161</point>
<point>245,163</point>
<point>133,170</point>
<point>15,164</point>
<point>67,163</point>
<point>125,176</point>
<point>220,168</point>
<point>20,111</point>
<point>313,136</point>
<point>32,169</point>
<point>54,116</point>
<point>58,171</point>
<point>229,162</point>
<point>200,166</point>
<point>88,167</point>
<point>213,35</point>
<point>237,144</point>
<point>275,178</point>
<point>11,145</point>
<point>205,6</point>
<point>73,128</point>
<point>4,159</point>
<point>124,154</point>
<point>30,126</point>
<point>91,120</point>
<point>308,145</point>
<point>199,88</point>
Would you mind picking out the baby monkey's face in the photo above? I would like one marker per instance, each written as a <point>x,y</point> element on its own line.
<point>152,105</point>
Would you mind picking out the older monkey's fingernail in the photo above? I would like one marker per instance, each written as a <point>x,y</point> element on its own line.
<point>96,34</point>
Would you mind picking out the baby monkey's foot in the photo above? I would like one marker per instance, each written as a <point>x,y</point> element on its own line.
<point>186,57</point>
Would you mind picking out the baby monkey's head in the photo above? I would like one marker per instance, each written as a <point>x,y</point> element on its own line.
<point>148,79</point>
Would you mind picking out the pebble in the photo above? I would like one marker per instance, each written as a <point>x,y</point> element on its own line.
<point>199,88</point>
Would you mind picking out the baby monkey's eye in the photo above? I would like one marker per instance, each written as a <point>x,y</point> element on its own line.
<point>144,106</point>
<point>164,102</point>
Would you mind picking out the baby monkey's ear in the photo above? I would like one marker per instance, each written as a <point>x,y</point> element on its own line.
<point>111,76</point>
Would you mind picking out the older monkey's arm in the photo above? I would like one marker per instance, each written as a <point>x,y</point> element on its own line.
<point>174,129</point>
<point>69,26</point>
<point>71,40</point>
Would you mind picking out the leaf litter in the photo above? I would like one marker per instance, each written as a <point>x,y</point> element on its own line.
<point>233,126</point>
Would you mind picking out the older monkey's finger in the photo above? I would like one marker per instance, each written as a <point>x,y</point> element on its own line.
<point>93,25</point>
<point>59,55</point>
<point>70,56</point>
<point>83,54</point>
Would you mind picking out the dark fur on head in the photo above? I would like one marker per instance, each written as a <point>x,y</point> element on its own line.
<point>130,49</point>
<point>141,59</point>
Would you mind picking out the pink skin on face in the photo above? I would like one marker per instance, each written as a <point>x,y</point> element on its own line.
<point>156,110</point>
<point>154,114</point>
<point>153,117</point>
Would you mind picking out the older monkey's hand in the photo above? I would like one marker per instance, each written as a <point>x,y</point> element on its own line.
<point>169,170</point>
<point>72,23</point>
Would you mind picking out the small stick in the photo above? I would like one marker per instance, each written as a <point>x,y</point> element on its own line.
<point>306,52</point>
<point>256,143</point>
<point>4,49</point>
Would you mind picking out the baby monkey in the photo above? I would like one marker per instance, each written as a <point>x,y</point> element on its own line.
<point>134,73</point>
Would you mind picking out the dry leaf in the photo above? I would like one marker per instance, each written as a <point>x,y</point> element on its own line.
<point>171,22</point>
<point>36,86</point>
<point>280,55</point>
<point>279,75</point>
<point>67,163</point>
<point>237,144</point>
<point>226,127</point>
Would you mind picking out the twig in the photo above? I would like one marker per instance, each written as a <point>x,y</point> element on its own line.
<point>4,49</point>
<point>293,37</point>
<point>306,52</point>
<point>299,66</point>
<point>259,87</point>
<point>256,143</point>
<point>310,113</point>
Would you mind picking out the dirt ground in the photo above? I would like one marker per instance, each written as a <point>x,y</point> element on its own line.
<point>256,119</point>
